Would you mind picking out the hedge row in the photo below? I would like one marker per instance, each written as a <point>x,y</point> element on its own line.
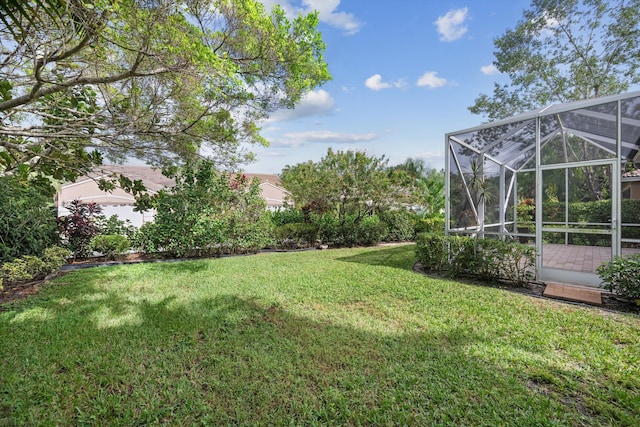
<point>597,211</point>
<point>482,258</point>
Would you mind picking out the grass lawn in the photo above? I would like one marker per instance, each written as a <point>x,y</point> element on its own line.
<point>349,336</point>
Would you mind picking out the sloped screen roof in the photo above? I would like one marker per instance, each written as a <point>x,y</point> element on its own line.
<point>512,142</point>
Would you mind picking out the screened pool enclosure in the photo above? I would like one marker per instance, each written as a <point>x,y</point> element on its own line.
<point>564,178</point>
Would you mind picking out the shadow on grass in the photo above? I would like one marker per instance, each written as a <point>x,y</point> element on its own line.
<point>402,257</point>
<point>111,359</point>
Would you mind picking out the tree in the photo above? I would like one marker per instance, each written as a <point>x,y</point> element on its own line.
<point>17,13</point>
<point>420,185</point>
<point>159,80</point>
<point>27,217</point>
<point>565,50</point>
<point>343,182</point>
<point>206,212</point>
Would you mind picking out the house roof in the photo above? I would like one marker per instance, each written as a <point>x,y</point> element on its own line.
<point>632,174</point>
<point>153,179</point>
<point>264,177</point>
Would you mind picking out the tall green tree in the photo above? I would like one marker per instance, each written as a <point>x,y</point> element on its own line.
<point>159,80</point>
<point>420,185</point>
<point>565,50</point>
<point>27,216</point>
<point>342,182</point>
<point>206,212</point>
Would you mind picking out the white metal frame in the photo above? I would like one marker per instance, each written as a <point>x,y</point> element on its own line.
<point>508,191</point>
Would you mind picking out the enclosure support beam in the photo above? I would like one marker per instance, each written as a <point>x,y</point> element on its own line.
<point>538,202</point>
<point>447,180</point>
<point>616,189</point>
<point>502,202</point>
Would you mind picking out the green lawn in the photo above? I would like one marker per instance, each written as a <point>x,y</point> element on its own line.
<point>348,336</point>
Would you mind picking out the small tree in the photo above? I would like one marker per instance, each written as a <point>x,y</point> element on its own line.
<point>80,226</point>
<point>27,217</point>
<point>343,182</point>
<point>206,212</point>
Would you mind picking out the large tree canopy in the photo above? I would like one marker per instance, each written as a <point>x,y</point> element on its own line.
<point>158,80</point>
<point>420,185</point>
<point>342,182</point>
<point>565,50</point>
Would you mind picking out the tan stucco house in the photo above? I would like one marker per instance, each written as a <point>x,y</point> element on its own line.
<point>120,203</point>
<point>631,185</point>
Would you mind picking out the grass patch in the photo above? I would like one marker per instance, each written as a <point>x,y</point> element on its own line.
<point>348,336</point>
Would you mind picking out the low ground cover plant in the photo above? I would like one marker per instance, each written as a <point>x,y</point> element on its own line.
<point>29,267</point>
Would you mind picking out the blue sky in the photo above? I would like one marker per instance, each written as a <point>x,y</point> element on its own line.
<point>404,73</point>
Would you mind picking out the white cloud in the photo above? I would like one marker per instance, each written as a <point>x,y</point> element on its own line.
<point>451,26</point>
<point>314,103</point>
<point>296,139</point>
<point>431,80</point>
<point>549,24</point>
<point>375,83</point>
<point>327,13</point>
<point>489,69</point>
<point>430,155</point>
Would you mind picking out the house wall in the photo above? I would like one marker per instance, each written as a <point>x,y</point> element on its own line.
<point>120,203</point>
<point>274,196</point>
<point>632,189</point>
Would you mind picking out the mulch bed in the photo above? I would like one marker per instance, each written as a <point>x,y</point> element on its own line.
<point>610,302</point>
<point>19,290</point>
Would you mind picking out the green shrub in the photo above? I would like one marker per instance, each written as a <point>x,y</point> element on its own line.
<point>110,244</point>
<point>248,231</point>
<point>370,230</point>
<point>517,263</point>
<point>29,267</point>
<point>462,255</point>
<point>483,258</point>
<point>351,230</point>
<point>55,257</point>
<point>429,225</point>
<point>144,239</point>
<point>621,276</point>
<point>207,213</point>
<point>598,211</point>
<point>298,234</point>
<point>328,227</point>
<point>26,267</point>
<point>27,218</point>
<point>400,225</point>
<point>286,216</point>
<point>432,252</point>
<point>114,225</point>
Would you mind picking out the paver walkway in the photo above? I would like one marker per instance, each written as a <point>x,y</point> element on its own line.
<point>578,258</point>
